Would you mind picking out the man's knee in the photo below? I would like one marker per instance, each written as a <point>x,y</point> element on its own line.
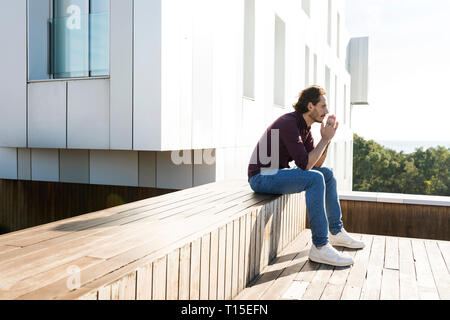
<point>327,173</point>
<point>317,177</point>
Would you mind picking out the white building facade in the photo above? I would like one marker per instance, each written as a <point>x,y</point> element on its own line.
<point>167,94</point>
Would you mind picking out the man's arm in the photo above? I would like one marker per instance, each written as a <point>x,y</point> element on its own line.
<point>320,162</point>
<point>327,131</point>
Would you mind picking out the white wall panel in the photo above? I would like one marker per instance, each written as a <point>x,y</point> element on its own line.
<point>204,167</point>
<point>74,166</point>
<point>47,115</point>
<point>177,73</point>
<point>172,176</point>
<point>121,75</point>
<point>147,169</point>
<point>119,168</point>
<point>24,164</point>
<point>45,165</point>
<point>88,114</point>
<point>203,73</point>
<point>147,75</point>
<point>13,75</point>
<point>8,163</point>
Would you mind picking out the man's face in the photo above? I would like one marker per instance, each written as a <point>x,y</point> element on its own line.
<point>320,110</point>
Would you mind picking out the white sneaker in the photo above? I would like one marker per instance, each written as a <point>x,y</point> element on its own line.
<point>343,239</point>
<point>329,255</point>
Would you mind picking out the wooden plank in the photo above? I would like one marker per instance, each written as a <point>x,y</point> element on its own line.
<point>308,272</point>
<point>221,263</point>
<point>357,274</point>
<point>294,215</point>
<point>173,265</point>
<point>115,291</point>
<point>390,285</point>
<point>185,272</point>
<point>391,256</point>
<point>295,291</point>
<point>127,287</point>
<point>252,256</point>
<point>90,296</point>
<point>229,262</point>
<point>425,281</point>
<point>439,270</point>
<point>372,285</point>
<point>300,246</point>
<point>235,265</point>
<point>104,293</point>
<point>258,242</point>
<point>264,282</point>
<point>144,283</point>
<point>44,278</point>
<point>318,283</point>
<point>351,293</point>
<point>445,250</point>
<point>276,233</point>
<point>242,251</point>
<point>204,266</point>
<point>159,279</point>
<point>266,236</point>
<point>248,231</point>
<point>283,222</point>
<point>408,284</point>
<point>336,284</point>
<point>195,270</point>
<point>213,267</point>
<point>5,249</point>
<point>288,220</point>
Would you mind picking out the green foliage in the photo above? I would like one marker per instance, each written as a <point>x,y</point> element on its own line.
<point>378,169</point>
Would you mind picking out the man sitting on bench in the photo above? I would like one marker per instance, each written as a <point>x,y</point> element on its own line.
<point>288,139</point>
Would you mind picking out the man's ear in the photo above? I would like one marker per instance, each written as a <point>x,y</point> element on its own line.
<point>310,106</point>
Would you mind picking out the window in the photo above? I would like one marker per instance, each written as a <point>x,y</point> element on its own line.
<point>68,38</point>
<point>249,49</point>
<point>306,6</point>
<point>307,58</point>
<point>329,23</point>
<point>279,63</point>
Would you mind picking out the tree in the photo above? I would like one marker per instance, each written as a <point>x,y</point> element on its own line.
<point>379,169</point>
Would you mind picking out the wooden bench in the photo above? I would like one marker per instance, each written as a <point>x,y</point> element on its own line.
<point>207,242</point>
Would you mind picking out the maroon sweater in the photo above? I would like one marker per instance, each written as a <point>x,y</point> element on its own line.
<point>295,142</point>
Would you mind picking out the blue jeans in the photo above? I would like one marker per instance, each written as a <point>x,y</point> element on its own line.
<point>324,210</point>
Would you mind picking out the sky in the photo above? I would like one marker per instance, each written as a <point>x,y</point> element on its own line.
<point>409,68</point>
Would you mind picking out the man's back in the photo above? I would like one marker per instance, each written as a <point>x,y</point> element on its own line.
<point>285,140</point>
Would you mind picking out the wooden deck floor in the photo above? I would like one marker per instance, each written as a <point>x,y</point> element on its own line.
<point>388,268</point>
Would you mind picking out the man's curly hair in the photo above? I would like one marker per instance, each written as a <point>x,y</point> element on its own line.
<point>311,94</point>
